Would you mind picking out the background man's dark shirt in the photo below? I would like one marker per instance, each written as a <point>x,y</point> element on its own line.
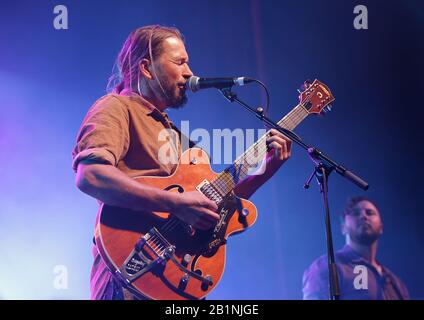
<point>358,279</point>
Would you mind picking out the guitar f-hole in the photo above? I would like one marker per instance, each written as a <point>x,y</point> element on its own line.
<point>175,186</point>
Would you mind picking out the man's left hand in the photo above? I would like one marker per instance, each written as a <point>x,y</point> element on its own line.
<point>280,148</point>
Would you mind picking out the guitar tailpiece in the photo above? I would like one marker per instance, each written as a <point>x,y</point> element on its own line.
<point>137,263</point>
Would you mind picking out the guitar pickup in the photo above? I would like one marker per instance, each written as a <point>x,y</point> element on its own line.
<point>210,191</point>
<point>202,184</point>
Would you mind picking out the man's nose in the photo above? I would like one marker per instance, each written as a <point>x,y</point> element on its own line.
<point>363,215</point>
<point>187,73</point>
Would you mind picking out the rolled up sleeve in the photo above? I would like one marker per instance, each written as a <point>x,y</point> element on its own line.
<point>104,133</point>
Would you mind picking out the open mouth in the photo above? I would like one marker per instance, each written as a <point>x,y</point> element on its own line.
<point>182,88</point>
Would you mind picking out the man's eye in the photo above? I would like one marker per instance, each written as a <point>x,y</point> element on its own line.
<point>368,212</point>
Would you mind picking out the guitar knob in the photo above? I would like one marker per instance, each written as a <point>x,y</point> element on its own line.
<point>245,212</point>
<point>186,260</point>
<point>206,283</point>
<point>183,282</point>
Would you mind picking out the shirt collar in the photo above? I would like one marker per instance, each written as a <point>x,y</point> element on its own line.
<point>351,254</point>
<point>147,107</point>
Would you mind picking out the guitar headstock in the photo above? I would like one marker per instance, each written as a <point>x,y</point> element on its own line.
<point>316,97</point>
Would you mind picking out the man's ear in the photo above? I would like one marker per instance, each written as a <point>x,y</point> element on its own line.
<point>145,66</point>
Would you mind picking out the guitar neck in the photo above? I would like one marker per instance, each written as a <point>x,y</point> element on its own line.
<point>254,156</point>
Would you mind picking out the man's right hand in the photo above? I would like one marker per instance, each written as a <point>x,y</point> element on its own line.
<point>196,210</point>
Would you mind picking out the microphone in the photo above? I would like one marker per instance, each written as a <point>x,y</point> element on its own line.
<point>195,83</point>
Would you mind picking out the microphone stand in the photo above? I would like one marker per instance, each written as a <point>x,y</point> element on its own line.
<point>323,166</point>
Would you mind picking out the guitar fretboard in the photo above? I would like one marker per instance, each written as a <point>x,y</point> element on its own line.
<point>253,157</point>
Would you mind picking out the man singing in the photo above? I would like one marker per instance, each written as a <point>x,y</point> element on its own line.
<point>118,140</point>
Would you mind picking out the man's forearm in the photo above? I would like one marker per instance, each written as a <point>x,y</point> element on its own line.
<point>111,186</point>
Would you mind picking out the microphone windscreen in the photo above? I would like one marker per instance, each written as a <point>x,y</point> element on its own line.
<point>193,83</point>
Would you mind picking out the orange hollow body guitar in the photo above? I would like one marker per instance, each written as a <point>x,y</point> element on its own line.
<point>158,256</point>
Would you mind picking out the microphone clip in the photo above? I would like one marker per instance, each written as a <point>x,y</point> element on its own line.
<point>228,94</point>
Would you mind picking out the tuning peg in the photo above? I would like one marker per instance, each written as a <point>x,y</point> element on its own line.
<point>307,84</point>
<point>327,108</point>
<point>304,86</point>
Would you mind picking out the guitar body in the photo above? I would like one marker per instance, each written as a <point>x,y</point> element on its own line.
<point>158,256</point>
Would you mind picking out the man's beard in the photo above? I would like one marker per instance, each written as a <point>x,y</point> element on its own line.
<point>177,102</point>
<point>174,101</point>
<point>366,238</point>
